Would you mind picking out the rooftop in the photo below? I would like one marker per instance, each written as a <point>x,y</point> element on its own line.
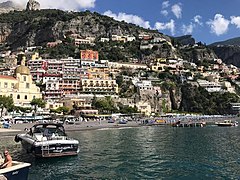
<point>7,77</point>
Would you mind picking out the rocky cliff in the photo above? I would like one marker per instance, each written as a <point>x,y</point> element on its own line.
<point>230,54</point>
<point>32,5</point>
<point>8,6</point>
<point>186,40</point>
<point>49,25</point>
<point>228,51</point>
<point>31,28</point>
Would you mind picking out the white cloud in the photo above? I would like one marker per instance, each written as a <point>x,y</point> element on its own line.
<point>166,26</point>
<point>129,18</point>
<point>197,19</point>
<point>177,10</point>
<point>188,29</point>
<point>164,12</point>
<point>165,4</point>
<point>60,4</point>
<point>235,20</point>
<point>219,25</point>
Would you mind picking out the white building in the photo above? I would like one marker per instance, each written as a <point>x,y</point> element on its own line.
<point>104,39</point>
<point>117,65</point>
<point>210,86</point>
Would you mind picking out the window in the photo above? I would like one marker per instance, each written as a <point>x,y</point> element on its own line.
<point>11,95</point>
<point>12,85</point>
<point>24,78</point>
<point>5,85</point>
<point>25,97</point>
<point>18,96</point>
<point>34,97</point>
<point>27,85</point>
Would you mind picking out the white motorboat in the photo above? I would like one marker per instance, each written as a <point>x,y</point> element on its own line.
<point>227,123</point>
<point>48,140</point>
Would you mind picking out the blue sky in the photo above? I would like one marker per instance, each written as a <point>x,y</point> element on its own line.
<point>208,21</point>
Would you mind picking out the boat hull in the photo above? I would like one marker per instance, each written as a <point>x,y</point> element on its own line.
<point>16,172</point>
<point>225,125</point>
<point>57,150</point>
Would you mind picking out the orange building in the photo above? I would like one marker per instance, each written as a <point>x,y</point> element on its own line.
<point>89,55</point>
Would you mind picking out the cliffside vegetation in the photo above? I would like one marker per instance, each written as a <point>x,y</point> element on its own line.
<point>198,100</point>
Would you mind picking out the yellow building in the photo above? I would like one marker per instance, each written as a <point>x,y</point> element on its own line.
<point>21,87</point>
<point>159,64</point>
<point>98,73</point>
<point>144,107</point>
<point>158,67</point>
<point>99,86</point>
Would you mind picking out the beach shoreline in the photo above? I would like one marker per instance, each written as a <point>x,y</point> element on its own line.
<point>81,126</point>
<point>93,125</point>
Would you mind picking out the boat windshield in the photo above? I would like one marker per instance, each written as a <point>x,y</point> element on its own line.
<point>49,130</point>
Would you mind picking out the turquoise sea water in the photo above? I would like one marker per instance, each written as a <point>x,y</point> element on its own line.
<point>142,153</point>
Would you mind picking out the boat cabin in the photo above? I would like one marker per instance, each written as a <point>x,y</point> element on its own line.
<point>47,131</point>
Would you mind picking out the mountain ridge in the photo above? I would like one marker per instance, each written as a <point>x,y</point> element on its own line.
<point>232,41</point>
<point>37,28</point>
<point>228,50</point>
<point>8,6</point>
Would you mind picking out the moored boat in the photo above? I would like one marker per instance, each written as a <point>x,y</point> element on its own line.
<point>18,171</point>
<point>189,124</point>
<point>227,123</point>
<point>48,140</point>
<point>122,121</point>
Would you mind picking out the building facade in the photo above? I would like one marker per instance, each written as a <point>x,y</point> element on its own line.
<point>21,87</point>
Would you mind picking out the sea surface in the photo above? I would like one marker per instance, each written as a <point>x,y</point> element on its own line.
<point>142,153</point>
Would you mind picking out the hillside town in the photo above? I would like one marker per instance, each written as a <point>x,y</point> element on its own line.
<point>100,90</point>
<point>145,84</point>
<point>75,83</point>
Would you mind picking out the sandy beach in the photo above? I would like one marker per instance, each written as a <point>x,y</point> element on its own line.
<point>2,130</point>
<point>81,126</point>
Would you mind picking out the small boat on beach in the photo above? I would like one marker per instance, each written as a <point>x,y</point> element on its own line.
<point>227,123</point>
<point>48,140</point>
<point>18,171</point>
<point>122,121</point>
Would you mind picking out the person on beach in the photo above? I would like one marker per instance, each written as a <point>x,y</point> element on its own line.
<point>7,161</point>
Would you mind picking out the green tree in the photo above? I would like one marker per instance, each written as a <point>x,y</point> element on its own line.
<point>37,102</point>
<point>63,109</point>
<point>127,109</point>
<point>54,111</point>
<point>7,103</point>
<point>105,105</point>
<point>119,80</point>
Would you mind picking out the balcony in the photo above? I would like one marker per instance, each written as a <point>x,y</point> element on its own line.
<point>52,92</point>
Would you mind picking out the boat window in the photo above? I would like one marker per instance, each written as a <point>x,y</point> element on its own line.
<point>59,132</point>
<point>37,130</point>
